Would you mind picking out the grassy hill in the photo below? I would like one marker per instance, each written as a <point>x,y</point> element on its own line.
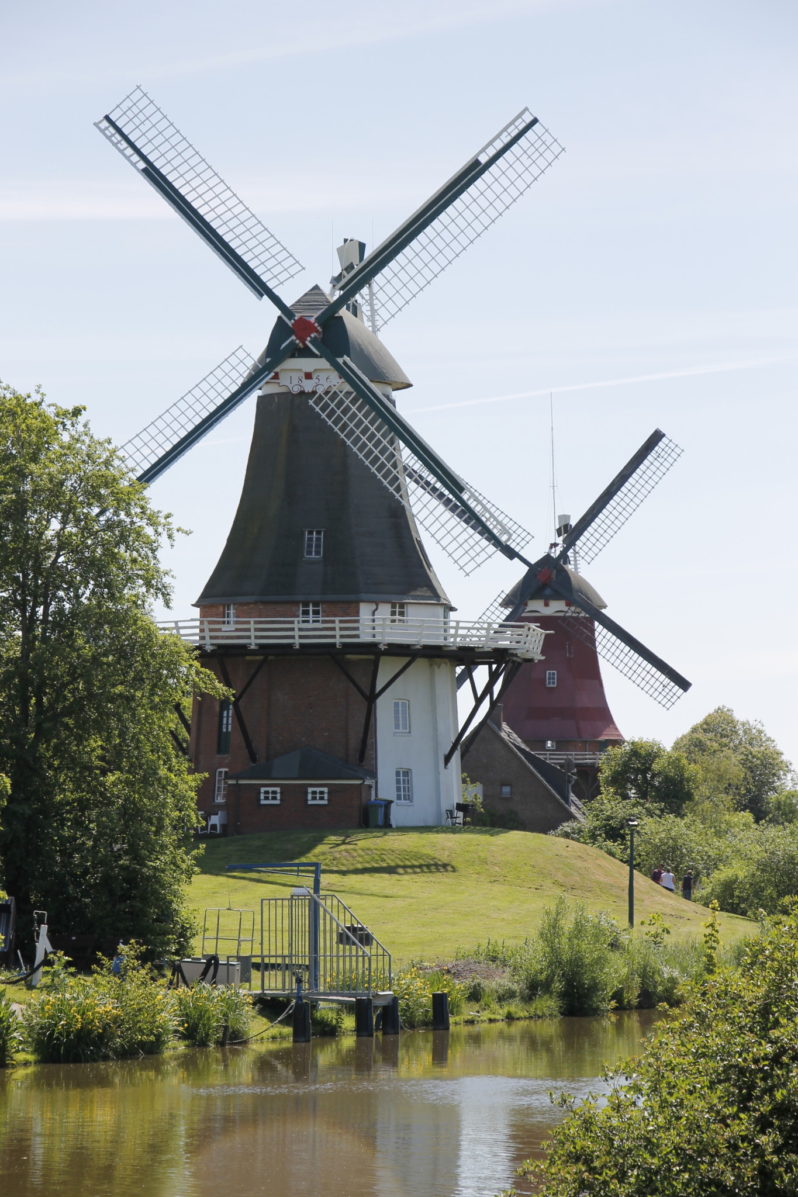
<point>425,892</point>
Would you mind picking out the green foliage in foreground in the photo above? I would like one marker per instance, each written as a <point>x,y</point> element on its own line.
<point>712,1105</point>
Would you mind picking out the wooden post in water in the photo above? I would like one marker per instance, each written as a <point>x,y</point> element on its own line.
<point>364,1018</point>
<point>440,1012</point>
<point>390,1017</point>
<point>301,1021</point>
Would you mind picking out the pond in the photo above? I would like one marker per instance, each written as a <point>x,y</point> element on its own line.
<point>424,1114</point>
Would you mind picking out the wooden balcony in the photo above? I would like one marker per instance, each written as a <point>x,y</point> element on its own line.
<point>430,637</point>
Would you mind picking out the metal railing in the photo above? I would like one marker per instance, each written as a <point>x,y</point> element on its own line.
<point>521,639</point>
<point>314,945</point>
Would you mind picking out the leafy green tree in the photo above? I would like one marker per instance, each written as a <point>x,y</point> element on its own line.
<point>97,826</point>
<point>736,757</point>
<point>711,1107</point>
<point>656,778</point>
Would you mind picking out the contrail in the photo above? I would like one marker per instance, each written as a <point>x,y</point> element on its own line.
<point>690,371</point>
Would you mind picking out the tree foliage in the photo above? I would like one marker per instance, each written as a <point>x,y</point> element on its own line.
<point>97,824</point>
<point>712,1105</point>
<point>647,773</point>
<point>736,758</point>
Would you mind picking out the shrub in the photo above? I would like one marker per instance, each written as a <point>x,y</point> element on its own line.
<point>106,1016</point>
<point>712,1104</point>
<point>572,959</point>
<point>10,1031</point>
<point>414,987</point>
<point>209,1014</point>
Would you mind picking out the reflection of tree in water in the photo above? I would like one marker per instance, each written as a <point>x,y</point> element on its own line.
<point>371,1117</point>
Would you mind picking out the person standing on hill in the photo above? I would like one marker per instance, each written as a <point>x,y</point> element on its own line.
<point>668,881</point>
<point>687,886</point>
<point>657,876</point>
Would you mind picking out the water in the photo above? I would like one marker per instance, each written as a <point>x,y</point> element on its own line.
<point>421,1115</point>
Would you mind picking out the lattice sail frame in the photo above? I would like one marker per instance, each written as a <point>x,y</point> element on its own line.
<point>637,488</point>
<point>409,480</point>
<point>186,169</point>
<point>623,658</point>
<point>466,219</point>
<point>188,411</point>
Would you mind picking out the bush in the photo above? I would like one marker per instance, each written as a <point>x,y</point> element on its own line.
<point>414,987</point>
<point>210,1014</point>
<point>712,1105</point>
<point>573,959</point>
<point>106,1016</point>
<point>10,1031</point>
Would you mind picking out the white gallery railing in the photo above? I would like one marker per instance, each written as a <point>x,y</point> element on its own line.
<point>523,640</point>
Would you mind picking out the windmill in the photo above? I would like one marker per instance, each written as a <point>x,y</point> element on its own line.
<point>560,710</point>
<point>326,396</point>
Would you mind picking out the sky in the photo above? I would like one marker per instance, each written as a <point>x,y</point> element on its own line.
<point>648,280</point>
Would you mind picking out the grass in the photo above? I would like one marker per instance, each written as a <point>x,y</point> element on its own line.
<point>425,892</point>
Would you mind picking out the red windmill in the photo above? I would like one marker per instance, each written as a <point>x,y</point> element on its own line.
<point>559,708</point>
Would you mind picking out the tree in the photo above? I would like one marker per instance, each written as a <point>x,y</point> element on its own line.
<point>649,774</point>
<point>712,1104</point>
<point>737,758</point>
<point>97,826</point>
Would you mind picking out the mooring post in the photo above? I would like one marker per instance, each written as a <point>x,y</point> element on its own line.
<point>390,1017</point>
<point>301,1021</point>
<point>364,1018</point>
<point>440,1012</point>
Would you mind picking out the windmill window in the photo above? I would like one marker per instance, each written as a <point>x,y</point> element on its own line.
<point>551,678</point>
<point>269,796</point>
<point>318,795</point>
<point>314,543</point>
<point>401,717</point>
<point>505,790</point>
<point>220,787</point>
<point>398,612</point>
<point>229,615</point>
<point>225,726</point>
<point>404,785</point>
<point>310,612</point>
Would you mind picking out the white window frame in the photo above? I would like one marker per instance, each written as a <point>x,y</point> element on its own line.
<point>309,613</point>
<point>220,787</point>
<point>269,796</point>
<point>551,678</point>
<point>401,717</point>
<point>398,613</point>
<point>229,615</point>
<point>403,780</point>
<point>318,795</point>
<point>314,544</point>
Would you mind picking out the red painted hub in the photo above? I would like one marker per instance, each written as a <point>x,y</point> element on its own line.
<point>303,329</point>
<point>545,575</point>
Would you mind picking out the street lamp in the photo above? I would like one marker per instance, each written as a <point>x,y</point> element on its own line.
<point>632,824</point>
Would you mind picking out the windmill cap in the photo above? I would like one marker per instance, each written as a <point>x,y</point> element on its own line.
<point>579,587</point>
<point>346,336</point>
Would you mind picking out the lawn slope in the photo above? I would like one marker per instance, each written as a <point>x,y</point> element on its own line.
<point>425,892</point>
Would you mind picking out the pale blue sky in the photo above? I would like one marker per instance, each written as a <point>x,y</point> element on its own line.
<point>648,280</point>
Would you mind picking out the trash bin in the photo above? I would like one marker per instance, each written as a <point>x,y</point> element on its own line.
<point>375,813</point>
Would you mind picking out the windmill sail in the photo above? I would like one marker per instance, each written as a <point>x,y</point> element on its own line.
<point>453,218</point>
<point>149,141</point>
<point>628,489</point>
<point>626,654</point>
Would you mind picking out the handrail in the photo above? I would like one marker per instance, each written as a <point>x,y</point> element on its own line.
<point>522,639</point>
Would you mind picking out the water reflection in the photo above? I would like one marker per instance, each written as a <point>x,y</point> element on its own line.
<point>421,1115</point>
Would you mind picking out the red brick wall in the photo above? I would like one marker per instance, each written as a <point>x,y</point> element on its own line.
<point>294,702</point>
<point>245,814</point>
<point>278,610</point>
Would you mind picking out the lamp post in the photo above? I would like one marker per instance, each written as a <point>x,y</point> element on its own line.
<point>632,824</point>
